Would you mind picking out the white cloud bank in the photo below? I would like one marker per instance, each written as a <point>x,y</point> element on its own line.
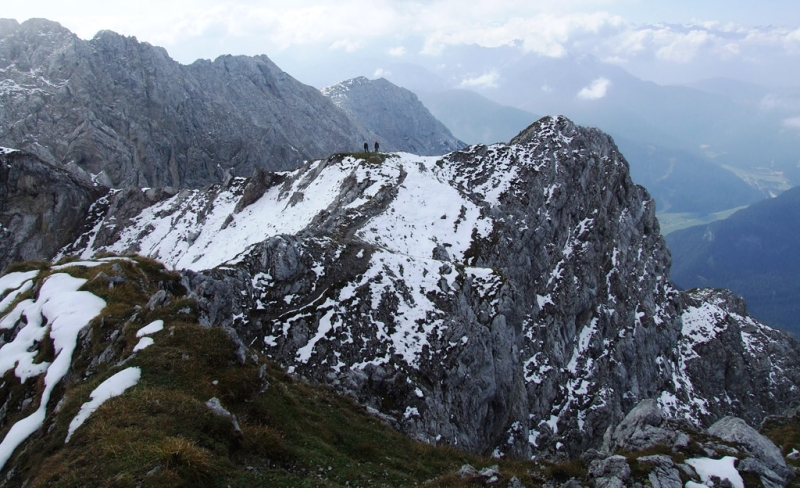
<point>596,90</point>
<point>486,80</point>
<point>208,28</point>
<point>792,123</point>
<point>534,26</point>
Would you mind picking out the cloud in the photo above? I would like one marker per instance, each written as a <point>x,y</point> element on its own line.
<point>597,89</point>
<point>346,44</point>
<point>486,80</point>
<point>780,102</point>
<point>398,51</point>
<point>792,123</point>
<point>208,28</point>
<point>381,73</point>
<point>682,47</point>
<point>545,34</point>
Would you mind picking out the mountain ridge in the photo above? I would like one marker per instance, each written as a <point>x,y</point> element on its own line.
<point>155,416</point>
<point>393,278</point>
<point>126,110</point>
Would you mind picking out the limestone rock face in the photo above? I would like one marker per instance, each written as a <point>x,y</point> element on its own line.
<point>645,427</point>
<point>115,106</point>
<point>511,299</point>
<point>400,120</point>
<point>42,207</point>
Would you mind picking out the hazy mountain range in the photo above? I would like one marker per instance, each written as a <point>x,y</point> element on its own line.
<point>735,126</point>
<point>754,252</point>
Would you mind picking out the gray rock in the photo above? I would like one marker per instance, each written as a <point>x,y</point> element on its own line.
<point>215,406</point>
<point>769,478</point>
<point>467,471</point>
<point>612,467</point>
<point>159,299</point>
<point>394,114</point>
<point>609,482</point>
<point>641,429</point>
<point>737,431</point>
<point>125,111</point>
<point>688,470</point>
<point>514,482</point>
<point>664,474</point>
<point>260,182</point>
<point>42,207</point>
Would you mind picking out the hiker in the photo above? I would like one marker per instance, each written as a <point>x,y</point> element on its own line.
<point>366,147</point>
<point>376,146</point>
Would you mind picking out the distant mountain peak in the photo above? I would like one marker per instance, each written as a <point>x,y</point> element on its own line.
<point>400,120</point>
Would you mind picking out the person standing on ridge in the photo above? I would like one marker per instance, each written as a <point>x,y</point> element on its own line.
<point>376,146</point>
<point>366,147</point>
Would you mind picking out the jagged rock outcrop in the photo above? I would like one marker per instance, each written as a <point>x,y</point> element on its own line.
<point>645,429</point>
<point>765,458</point>
<point>125,110</point>
<point>42,207</point>
<point>512,299</point>
<point>400,120</point>
<point>737,357</point>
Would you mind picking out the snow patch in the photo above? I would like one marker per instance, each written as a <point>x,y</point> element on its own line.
<point>143,343</point>
<point>114,386</point>
<point>67,311</point>
<point>151,328</point>
<point>722,468</point>
<point>411,412</point>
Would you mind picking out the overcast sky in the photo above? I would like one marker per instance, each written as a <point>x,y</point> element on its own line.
<point>671,41</point>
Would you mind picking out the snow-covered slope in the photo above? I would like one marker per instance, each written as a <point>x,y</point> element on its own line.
<point>508,298</point>
<point>199,230</point>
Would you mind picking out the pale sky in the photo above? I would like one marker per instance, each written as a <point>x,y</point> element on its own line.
<point>666,41</point>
